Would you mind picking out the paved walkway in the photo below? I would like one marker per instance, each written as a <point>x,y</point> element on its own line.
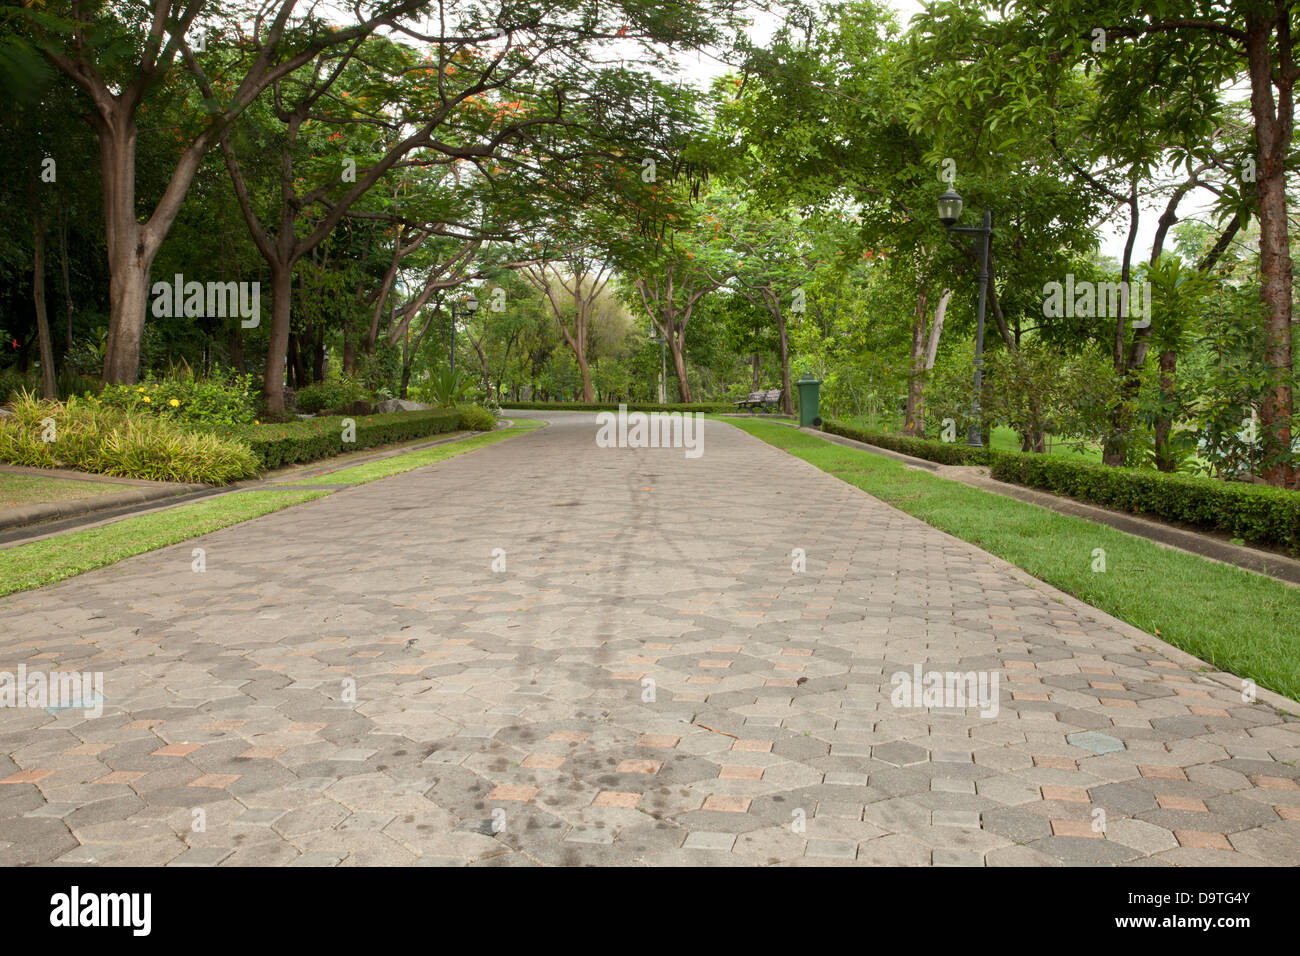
<point>351,681</point>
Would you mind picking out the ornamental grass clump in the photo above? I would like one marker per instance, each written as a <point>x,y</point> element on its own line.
<point>86,435</point>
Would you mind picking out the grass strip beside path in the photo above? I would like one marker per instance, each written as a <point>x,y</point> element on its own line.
<point>1239,622</point>
<point>387,467</point>
<point>53,559</point>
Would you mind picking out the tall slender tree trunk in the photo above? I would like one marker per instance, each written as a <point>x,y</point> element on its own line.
<point>783,336</point>
<point>584,369</point>
<point>278,340</point>
<point>67,286</point>
<point>1164,423</point>
<point>349,351</point>
<point>756,376</point>
<point>49,386</point>
<point>297,367</point>
<point>1273,136</point>
<point>235,346</point>
<point>675,346</point>
<point>914,419</point>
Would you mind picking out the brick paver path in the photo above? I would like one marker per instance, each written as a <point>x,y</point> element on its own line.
<point>351,681</point>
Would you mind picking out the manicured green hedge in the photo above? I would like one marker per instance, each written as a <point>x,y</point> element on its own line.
<point>631,407</point>
<point>1257,513</point>
<point>946,453</point>
<point>307,440</point>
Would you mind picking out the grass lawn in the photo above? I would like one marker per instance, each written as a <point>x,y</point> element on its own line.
<point>37,489</point>
<point>1239,622</point>
<point>53,559</point>
<point>386,467</point>
<point>1002,438</point>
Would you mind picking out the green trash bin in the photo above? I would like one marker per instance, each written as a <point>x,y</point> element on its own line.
<point>809,390</point>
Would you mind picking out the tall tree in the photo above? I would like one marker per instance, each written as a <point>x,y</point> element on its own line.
<point>124,58</point>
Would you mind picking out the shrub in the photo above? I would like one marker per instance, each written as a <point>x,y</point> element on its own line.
<point>443,388</point>
<point>184,397</point>
<point>476,418</point>
<point>12,384</point>
<point>1258,513</point>
<point>275,445</point>
<point>90,436</point>
<point>334,394</point>
<point>946,453</point>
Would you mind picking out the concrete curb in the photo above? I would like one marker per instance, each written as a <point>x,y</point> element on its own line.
<point>33,514</point>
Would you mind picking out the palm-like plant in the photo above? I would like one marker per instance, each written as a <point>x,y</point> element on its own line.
<point>447,387</point>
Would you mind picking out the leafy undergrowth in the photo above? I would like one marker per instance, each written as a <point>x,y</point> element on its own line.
<point>86,435</point>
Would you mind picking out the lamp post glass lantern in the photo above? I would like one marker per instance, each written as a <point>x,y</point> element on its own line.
<point>470,306</point>
<point>950,205</point>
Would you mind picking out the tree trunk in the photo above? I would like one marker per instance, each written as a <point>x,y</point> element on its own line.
<point>584,368</point>
<point>128,298</point>
<point>787,399</point>
<point>1115,448</point>
<point>297,369</point>
<point>278,340</point>
<point>1273,142</point>
<point>235,346</point>
<point>1034,440</point>
<point>349,351</point>
<point>914,419</point>
<point>67,286</point>
<point>675,345</point>
<point>1164,423</point>
<point>318,354</point>
<point>49,387</point>
<point>756,377</point>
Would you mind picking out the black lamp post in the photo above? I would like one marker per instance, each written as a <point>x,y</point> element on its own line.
<point>949,213</point>
<point>469,308</point>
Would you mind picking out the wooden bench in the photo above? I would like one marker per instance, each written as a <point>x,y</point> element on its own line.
<point>768,401</point>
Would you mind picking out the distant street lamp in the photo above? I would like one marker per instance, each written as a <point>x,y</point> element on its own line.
<point>469,307</point>
<point>949,212</point>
